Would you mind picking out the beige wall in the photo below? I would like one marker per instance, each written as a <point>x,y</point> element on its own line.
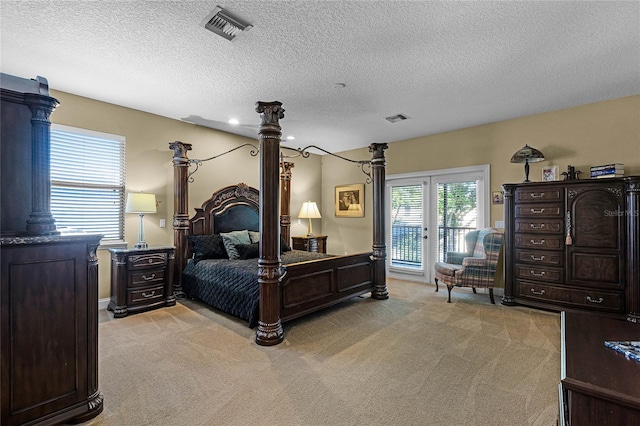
<point>149,167</point>
<point>584,136</point>
<point>604,132</point>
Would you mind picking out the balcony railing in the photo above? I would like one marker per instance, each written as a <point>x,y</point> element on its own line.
<point>406,243</point>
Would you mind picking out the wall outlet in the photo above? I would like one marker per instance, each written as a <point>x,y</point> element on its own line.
<point>500,224</point>
<point>163,223</point>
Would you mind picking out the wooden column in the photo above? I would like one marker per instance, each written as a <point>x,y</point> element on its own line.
<point>633,248</point>
<point>509,232</point>
<point>285,200</point>
<point>40,221</point>
<point>378,165</point>
<point>180,211</point>
<point>269,330</point>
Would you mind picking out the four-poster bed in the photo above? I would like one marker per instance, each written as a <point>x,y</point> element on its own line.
<point>287,286</point>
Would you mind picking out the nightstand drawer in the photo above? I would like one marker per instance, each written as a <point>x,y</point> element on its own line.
<point>143,261</point>
<point>147,278</point>
<point>145,295</point>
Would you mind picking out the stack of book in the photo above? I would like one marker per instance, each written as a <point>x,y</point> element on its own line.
<point>607,171</point>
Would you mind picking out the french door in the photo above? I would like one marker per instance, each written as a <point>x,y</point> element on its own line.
<point>429,214</point>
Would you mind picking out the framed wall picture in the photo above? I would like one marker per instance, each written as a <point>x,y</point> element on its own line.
<point>550,173</point>
<point>350,200</point>
<point>497,197</point>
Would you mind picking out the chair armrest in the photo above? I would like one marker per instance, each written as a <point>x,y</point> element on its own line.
<point>455,257</point>
<point>475,261</point>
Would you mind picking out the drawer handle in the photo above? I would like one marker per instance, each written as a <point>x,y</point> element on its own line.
<point>534,226</point>
<point>537,243</point>
<point>535,274</point>
<point>534,195</point>
<point>600,300</point>
<point>537,211</point>
<point>537,259</point>
<point>538,293</point>
<point>146,296</point>
<point>146,278</point>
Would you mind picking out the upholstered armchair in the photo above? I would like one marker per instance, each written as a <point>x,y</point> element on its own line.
<point>475,268</point>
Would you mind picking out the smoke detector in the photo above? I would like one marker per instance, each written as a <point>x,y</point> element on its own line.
<point>224,24</point>
<point>396,118</point>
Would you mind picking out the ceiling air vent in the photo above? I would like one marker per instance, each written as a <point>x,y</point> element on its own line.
<point>396,118</point>
<point>225,24</point>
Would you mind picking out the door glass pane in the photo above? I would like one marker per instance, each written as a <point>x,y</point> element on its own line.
<point>406,226</point>
<point>457,215</point>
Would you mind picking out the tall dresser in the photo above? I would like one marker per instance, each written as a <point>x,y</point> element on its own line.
<point>574,245</point>
<point>49,279</point>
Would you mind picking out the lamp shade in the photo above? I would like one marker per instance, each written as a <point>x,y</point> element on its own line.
<point>140,202</point>
<point>527,154</point>
<point>309,210</point>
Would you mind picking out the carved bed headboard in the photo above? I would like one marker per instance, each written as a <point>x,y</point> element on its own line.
<point>232,208</point>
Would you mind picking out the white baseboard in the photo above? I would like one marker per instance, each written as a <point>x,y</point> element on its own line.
<point>103,303</point>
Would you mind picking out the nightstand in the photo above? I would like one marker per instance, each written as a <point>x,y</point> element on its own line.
<point>141,279</point>
<point>317,243</point>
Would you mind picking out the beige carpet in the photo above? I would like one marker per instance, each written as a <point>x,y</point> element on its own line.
<point>411,360</point>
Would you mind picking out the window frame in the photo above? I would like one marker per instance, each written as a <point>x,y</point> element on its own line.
<point>118,184</point>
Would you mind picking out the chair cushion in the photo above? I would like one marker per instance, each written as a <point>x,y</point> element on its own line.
<point>447,268</point>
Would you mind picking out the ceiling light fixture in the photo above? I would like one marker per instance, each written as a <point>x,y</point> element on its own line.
<point>233,121</point>
<point>223,23</point>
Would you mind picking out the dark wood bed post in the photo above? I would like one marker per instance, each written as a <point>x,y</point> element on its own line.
<point>285,200</point>
<point>180,210</point>
<point>378,165</point>
<point>269,330</point>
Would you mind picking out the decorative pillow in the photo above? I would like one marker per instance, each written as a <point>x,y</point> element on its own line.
<point>248,251</point>
<point>283,245</point>
<point>254,236</point>
<point>207,247</point>
<point>230,239</point>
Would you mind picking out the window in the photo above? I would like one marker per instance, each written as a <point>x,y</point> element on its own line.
<point>87,181</point>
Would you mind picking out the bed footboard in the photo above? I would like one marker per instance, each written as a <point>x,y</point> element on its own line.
<point>310,286</point>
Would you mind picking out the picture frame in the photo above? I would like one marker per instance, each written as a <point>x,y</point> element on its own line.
<point>550,173</point>
<point>349,200</point>
<point>497,197</point>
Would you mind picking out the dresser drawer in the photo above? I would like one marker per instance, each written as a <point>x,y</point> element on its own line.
<point>145,295</point>
<point>550,258</point>
<point>550,242</point>
<point>579,298</point>
<point>549,226</point>
<point>144,261</point>
<point>539,210</point>
<point>538,194</point>
<point>147,278</point>
<point>540,273</point>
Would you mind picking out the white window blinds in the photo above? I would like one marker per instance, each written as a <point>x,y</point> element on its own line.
<point>88,181</point>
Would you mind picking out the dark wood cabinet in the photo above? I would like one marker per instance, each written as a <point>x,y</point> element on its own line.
<point>141,279</point>
<point>317,243</point>
<point>574,245</point>
<point>601,388</point>
<point>49,332</point>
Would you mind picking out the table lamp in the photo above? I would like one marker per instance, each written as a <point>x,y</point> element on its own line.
<point>141,203</point>
<point>309,210</point>
<point>527,155</point>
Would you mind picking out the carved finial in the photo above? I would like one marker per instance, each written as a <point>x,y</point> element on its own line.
<point>270,112</point>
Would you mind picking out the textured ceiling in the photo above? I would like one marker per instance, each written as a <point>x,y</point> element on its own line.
<point>446,65</point>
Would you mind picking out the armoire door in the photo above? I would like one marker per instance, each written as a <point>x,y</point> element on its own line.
<point>595,240</point>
